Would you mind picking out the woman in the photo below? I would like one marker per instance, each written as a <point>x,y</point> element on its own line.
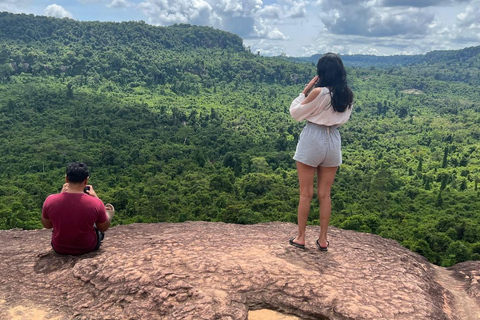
<point>326,103</point>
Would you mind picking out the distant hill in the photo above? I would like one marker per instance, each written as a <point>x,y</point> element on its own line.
<point>365,61</point>
<point>449,65</point>
<point>42,31</point>
<point>132,52</point>
<point>438,56</point>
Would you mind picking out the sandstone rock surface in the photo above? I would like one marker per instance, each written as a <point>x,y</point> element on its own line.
<point>200,270</point>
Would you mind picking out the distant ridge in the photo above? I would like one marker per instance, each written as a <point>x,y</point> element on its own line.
<point>23,28</point>
<point>437,56</point>
<point>133,53</point>
<point>361,60</point>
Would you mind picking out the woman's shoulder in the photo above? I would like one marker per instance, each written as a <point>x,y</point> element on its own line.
<point>316,92</point>
<point>322,90</point>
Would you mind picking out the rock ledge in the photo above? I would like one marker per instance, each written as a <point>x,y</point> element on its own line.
<point>201,270</point>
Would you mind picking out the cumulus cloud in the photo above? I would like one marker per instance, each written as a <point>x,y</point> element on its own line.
<point>54,10</point>
<point>119,4</point>
<point>466,30</point>
<point>238,7</point>
<point>295,9</point>
<point>368,19</point>
<point>165,12</point>
<point>271,12</point>
<point>395,27</point>
<point>247,18</point>
<point>469,18</point>
<point>263,31</point>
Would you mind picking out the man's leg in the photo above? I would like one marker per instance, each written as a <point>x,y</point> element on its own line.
<point>100,236</point>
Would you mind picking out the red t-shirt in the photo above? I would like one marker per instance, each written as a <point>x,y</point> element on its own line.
<point>72,216</point>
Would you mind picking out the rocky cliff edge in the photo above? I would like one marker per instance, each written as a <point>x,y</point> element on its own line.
<point>201,270</point>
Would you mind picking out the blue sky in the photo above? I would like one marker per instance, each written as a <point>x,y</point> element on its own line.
<point>295,28</point>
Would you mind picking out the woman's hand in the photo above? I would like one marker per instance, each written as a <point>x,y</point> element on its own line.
<point>310,86</point>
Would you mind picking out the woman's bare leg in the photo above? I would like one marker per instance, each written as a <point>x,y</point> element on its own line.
<point>305,179</point>
<point>325,177</point>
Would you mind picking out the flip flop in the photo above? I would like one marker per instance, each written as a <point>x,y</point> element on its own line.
<point>322,248</point>
<point>298,245</point>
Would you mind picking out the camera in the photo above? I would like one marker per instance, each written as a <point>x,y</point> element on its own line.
<point>87,188</point>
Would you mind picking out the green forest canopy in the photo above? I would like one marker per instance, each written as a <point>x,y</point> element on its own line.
<point>184,123</point>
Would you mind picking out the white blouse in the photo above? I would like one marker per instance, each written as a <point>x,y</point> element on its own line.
<point>319,110</point>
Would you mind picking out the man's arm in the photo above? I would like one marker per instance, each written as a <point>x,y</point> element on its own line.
<point>103,226</point>
<point>109,212</point>
<point>47,223</point>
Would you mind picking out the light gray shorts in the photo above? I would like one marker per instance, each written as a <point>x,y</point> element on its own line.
<point>319,146</point>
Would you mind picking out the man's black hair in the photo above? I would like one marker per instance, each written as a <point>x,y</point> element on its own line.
<point>77,172</point>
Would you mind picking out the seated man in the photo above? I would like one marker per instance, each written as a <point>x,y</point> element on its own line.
<point>77,215</point>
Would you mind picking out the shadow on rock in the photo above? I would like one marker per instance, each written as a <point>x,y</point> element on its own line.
<point>48,262</point>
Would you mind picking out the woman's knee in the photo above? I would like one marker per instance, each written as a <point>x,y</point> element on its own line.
<point>306,193</point>
<point>323,195</point>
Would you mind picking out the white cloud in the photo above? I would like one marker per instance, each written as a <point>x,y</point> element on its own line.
<point>54,10</point>
<point>165,12</point>
<point>247,18</point>
<point>297,12</point>
<point>366,18</point>
<point>119,4</point>
<point>270,12</point>
<point>441,39</point>
<point>296,9</point>
<point>238,7</point>
<point>261,30</point>
<point>470,17</point>
<point>466,30</point>
<point>15,6</point>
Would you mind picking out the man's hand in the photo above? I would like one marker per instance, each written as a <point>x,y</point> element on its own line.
<point>65,187</point>
<point>91,192</point>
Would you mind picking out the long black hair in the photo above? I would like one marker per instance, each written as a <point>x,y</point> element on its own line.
<point>332,74</point>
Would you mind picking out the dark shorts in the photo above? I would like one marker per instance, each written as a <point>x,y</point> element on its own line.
<point>100,236</point>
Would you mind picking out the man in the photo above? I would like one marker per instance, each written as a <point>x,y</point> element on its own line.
<point>76,214</point>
